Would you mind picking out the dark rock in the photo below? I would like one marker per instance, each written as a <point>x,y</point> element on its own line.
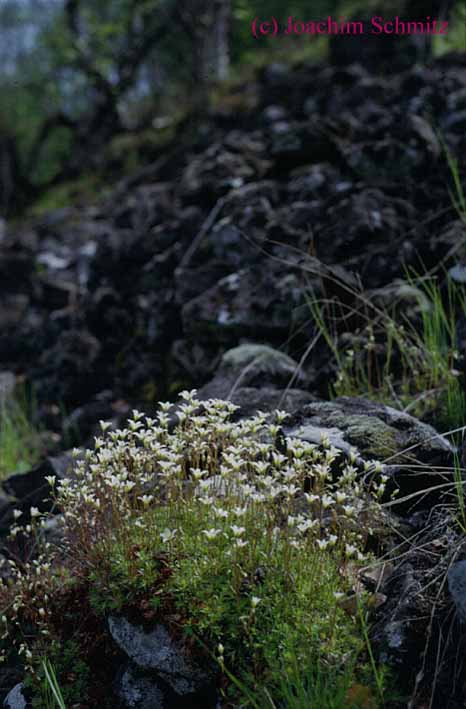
<point>53,530</point>
<point>457,100</point>
<point>399,636</point>
<point>415,623</point>
<point>246,303</point>
<point>272,114</point>
<point>159,652</point>
<point>15,699</point>
<point>458,273</point>
<point>7,505</point>
<point>457,587</point>
<point>31,488</point>
<point>251,400</point>
<point>456,122</point>
<point>13,309</point>
<point>401,297</point>
<point>83,422</point>
<point>10,675</point>
<point>140,692</point>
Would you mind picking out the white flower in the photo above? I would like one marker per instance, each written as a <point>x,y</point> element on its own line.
<point>349,471</point>
<point>278,458</point>
<point>168,535</point>
<point>197,473</point>
<point>311,498</point>
<point>17,514</point>
<point>350,550</point>
<point>237,531</point>
<point>289,474</point>
<point>240,543</point>
<point>322,544</point>
<point>295,544</point>
<point>307,524</point>
<point>211,533</point>
<point>260,467</point>
<point>188,395</point>
<point>322,471</point>
<point>324,440</point>
<point>255,600</point>
<point>34,512</point>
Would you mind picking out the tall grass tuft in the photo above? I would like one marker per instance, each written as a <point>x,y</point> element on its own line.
<point>19,441</point>
<point>52,695</point>
<point>409,362</point>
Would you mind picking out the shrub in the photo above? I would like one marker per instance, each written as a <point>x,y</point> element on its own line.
<point>240,537</point>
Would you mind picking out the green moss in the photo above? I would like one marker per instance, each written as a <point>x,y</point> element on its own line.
<point>371,436</point>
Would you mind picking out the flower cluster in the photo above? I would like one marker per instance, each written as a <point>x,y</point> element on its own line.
<point>203,488</point>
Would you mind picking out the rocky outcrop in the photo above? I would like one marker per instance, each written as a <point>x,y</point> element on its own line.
<point>143,293</point>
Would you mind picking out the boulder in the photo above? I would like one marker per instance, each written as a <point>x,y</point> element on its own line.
<point>15,699</point>
<point>164,659</point>
<point>257,377</point>
<point>253,365</point>
<point>377,431</point>
<point>410,450</point>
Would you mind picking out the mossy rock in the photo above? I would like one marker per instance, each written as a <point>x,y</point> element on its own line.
<point>372,436</point>
<point>375,431</point>
<point>261,357</point>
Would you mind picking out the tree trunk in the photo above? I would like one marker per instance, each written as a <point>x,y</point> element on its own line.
<point>221,40</point>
